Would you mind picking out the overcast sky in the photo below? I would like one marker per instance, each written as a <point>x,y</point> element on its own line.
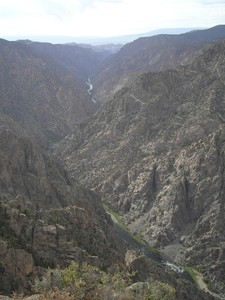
<point>105,17</point>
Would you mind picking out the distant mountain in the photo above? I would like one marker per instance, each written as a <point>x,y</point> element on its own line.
<point>146,54</point>
<point>102,40</point>
<point>40,93</point>
<point>79,61</point>
<point>156,153</point>
<point>106,50</point>
<point>130,38</point>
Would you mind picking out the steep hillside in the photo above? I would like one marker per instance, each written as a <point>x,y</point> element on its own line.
<point>46,218</point>
<point>79,61</point>
<point>48,221</point>
<point>7,123</point>
<point>160,52</point>
<point>33,93</point>
<point>156,152</point>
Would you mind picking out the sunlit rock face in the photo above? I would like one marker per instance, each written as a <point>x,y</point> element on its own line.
<point>155,53</point>
<point>156,152</point>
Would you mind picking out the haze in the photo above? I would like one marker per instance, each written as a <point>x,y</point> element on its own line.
<point>104,18</point>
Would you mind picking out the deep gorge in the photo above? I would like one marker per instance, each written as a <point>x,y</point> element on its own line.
<point>151,149</point>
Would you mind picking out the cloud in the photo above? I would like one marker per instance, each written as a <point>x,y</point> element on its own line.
<point>211,2</point>
<point>105,17</point>
<point>58,8</point>
<point>90,2</point>
<point>12,8</point>
<point>86,4</point>
<point>111,1</point>
<point>62,9</point>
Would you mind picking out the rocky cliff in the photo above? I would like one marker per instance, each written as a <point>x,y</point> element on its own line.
<point>40,94</point>
<point>79,61</point>
<point>46,218</point>
<point>156,152</point>
<point>160,52</point>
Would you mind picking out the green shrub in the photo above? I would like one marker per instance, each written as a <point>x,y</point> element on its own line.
<point>86,282</point>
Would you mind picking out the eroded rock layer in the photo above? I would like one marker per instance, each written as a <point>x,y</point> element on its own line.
<point>156,152</point>
<point>46,218</point>
<point>155,53</point>
<point>40,93</point>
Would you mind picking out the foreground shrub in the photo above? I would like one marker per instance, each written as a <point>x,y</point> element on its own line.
<point>86,282</point>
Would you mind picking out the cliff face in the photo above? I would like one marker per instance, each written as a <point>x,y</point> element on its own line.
<point>79,61</point>
<point>46,218</point>
<point>156,152</point>
<point>40,93</point>
<point>157,53</point>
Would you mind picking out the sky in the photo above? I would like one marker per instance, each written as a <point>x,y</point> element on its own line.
<point>105,18</point>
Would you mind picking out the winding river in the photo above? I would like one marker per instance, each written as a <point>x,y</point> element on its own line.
<point>90,89</point>
<point>142,249</point>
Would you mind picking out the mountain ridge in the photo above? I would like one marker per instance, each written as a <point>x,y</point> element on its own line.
<point>79,61</point>
<point>102,40</point>
<point>154,154</point>
<point>40,93</point>
<point>139,152</point>
<point>147,54</point>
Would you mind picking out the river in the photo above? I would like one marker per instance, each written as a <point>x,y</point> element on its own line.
<point>142,249</point>
<point>90,89</point>
<point>90,85</point>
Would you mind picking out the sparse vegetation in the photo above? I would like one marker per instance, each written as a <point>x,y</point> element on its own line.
<point>87,282</point>
<point>117,217</point>
<point>138,237</point>
<point>192,273</point>
<point>52,136</point>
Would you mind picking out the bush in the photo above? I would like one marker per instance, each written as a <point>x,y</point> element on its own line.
<point>86,282</point>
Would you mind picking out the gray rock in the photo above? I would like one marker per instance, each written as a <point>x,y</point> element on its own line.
<point>156,153</point>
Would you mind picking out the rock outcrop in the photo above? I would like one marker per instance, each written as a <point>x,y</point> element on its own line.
<point>156,53</point>
<point>148,271</point>
<point>46,218</point>
<point>156,152</point>
<point>79,61</point>
<point>40,93</point>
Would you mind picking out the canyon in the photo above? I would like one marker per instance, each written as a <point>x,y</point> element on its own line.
<point>150,148</point>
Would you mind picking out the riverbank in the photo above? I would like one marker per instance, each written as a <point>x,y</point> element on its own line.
<point>174,253</point>
<point>203,286</point>
<point>143,249</point>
